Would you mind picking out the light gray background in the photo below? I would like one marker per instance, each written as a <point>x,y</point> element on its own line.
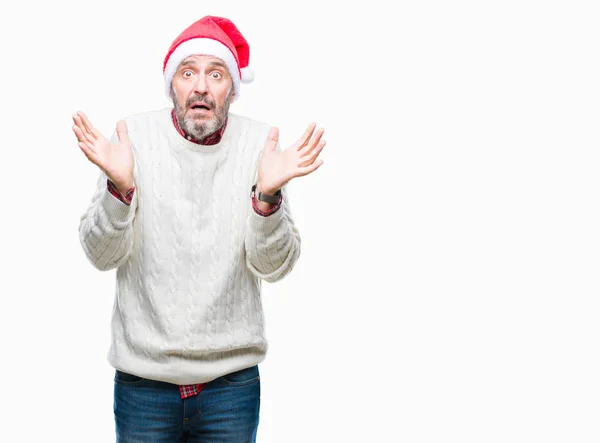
<point>448,285</point>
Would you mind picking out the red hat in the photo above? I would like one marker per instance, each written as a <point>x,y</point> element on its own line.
<point>216,36</point>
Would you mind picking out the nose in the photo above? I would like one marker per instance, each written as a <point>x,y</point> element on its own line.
<point>201,86</point>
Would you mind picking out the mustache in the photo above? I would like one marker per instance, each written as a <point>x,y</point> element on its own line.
<point>199,98</point>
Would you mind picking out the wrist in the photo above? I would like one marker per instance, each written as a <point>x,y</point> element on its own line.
<point>261,195</point>
<point>266,190</point>
<point>264,206</point>
<point>270,192</point>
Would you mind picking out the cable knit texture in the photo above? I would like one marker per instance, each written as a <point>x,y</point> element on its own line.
<point>189,251</point>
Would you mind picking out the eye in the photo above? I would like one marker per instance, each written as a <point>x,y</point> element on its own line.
<point>187,73</point>
<point>216,75</point>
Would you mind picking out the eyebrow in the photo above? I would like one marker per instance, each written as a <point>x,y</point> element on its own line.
<point>210,64</point>
<point>217,63</point>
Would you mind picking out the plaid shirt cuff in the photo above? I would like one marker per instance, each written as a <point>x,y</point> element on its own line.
<point>114,191</point>
<point>259,211</point>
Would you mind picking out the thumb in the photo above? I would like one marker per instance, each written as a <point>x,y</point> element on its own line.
<point>272,140</point>
<point>122,132</point>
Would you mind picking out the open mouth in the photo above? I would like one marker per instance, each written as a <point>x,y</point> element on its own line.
<point>200,106</point>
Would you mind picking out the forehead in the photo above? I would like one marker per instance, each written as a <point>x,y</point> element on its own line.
<point>202,60</point>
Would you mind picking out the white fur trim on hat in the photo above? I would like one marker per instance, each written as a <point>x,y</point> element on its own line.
<point>202,46</point>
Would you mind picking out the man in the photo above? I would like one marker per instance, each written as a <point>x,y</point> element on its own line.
<point>191,209</point>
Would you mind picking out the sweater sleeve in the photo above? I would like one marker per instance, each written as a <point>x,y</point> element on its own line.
<point>272,242</point>
<point>106,228</point>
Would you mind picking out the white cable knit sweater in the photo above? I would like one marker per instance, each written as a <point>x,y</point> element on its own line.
<point>190,252</point>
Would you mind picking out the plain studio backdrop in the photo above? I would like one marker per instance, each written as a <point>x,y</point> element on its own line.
<point>448,285</point>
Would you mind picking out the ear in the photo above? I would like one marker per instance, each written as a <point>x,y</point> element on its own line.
<point>231,94</point>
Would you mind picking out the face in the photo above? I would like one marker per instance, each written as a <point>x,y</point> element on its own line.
<point>202,91</point>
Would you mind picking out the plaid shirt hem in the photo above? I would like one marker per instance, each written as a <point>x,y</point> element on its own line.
<point>190,390</point>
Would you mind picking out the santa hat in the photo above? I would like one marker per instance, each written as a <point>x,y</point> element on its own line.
<point>216,36</point>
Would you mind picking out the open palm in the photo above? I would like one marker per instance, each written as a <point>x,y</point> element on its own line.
<point>116,160</point>
<point>276,168</point>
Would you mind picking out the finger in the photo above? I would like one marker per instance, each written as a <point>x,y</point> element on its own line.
<point>315,153</point>
<point>84,131</point>
<point>91,156</point>
<point>78,134</point>
<point>302,141</point>
<point>88,125</point>
<point>78,122</point>
<point>81,138</point>
<point>122,134</point>
<point>86,150</point>
<point>273,139</point>
<point>314,142</point>
<point>308,169</point>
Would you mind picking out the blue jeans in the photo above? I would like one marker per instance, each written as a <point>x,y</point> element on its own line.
<point>225,411</point>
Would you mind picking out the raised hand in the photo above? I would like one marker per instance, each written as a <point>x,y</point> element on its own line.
<point>277,168</point>
<point>116,160</point>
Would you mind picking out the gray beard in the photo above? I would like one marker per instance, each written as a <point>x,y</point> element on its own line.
<point>200,129</point>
